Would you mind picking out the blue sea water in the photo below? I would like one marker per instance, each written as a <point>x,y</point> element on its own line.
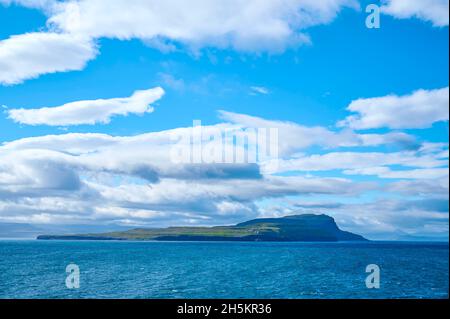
<point>109,269</point>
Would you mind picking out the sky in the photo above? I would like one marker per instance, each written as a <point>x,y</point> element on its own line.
<point>95,95</point>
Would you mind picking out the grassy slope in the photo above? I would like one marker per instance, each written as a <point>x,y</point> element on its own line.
<point>221,231</point>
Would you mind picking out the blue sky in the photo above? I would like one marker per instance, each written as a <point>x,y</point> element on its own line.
<point>320,63</point>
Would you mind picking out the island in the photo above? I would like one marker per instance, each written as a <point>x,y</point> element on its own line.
<point>306,227</point>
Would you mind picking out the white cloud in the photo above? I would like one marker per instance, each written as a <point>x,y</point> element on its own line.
<point>37,4</point>
<point>259,90</point>
<point>245,25</point>
<point>294,137</point>
<point>74,143</point>
<point>421,187</point>
<point>420,109</point>
<point>29,55</point>
<point>357,162</point>
<point>242,25</point>
<point>435,11</point>
<point>89,111</point>
<point>385,172</point>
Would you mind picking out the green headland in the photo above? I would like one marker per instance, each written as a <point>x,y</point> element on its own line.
<point>307,227</point>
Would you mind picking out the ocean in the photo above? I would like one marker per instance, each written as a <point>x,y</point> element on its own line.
<point>122,269</point>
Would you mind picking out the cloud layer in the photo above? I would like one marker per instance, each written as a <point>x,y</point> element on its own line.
<point>131,180</point>
<point>99,178</point>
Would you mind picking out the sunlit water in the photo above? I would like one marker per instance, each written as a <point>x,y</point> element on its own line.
<point>36,269</point>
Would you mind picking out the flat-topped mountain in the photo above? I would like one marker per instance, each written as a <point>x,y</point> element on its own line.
<point>307,227</point>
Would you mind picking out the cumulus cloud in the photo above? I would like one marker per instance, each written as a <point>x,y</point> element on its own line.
<point>435,11</point>
<point>245,25</point>
<point>89,111</point>
<point>420,109</point>
<point>29,55</point>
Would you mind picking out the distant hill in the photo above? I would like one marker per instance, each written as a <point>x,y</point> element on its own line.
<point>30,231</point>
<point>306,227</point>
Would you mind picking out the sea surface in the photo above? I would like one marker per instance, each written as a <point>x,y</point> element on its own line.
<point>120,269</point>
